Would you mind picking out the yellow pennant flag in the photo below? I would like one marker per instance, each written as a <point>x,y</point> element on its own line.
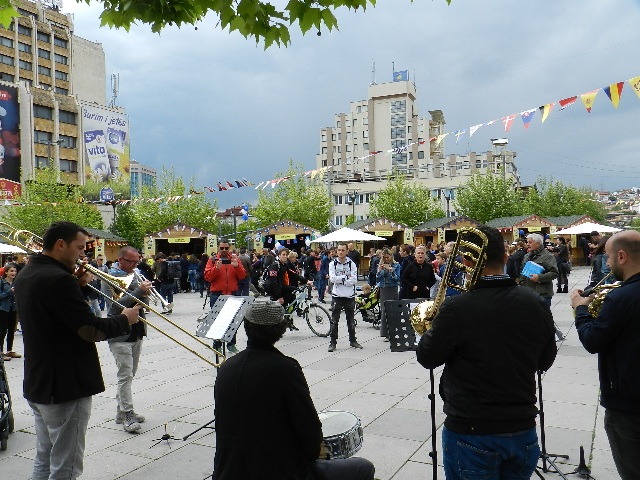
<point>588,99</point>
<point>440,137</point>
<point>545,110</point>
<point>635,84</point>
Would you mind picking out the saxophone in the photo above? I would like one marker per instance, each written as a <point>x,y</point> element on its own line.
<point>471,244</point>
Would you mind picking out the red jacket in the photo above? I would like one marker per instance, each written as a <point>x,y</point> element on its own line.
<point>225,279</point>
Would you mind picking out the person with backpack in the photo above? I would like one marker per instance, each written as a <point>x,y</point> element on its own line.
<point>165,279</point>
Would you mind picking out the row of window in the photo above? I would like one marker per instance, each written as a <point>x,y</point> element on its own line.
<point>354,123</point>
<point>44,37</point>
<point>399,106</point>
<point>45,137</point>
<point>65,165</point>
<point>359,199</point>
<point>40,111</point>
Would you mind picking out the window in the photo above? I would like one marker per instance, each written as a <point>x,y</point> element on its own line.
<point>68,166</point>
<point>324,137</point>
<point>26,13</point>
<point>355,135</point>
<point>398,132</point>
<point>339,136</point>
<point>6,77</point>
<point>339,219</point>
<point>67,141</point>
<point>364,108</point>
<point>62,75</point>
<point>67,117</point>
<point>60,42</point>
<point>347,148</point>
<point>365,134</point>
<point>355,121</point>
<point>409,129</point>
<point>398,119</point>
<point>338,199</point>
<point>339,149</point>
<point>23,47</point>
<point>22,30</point>
<point>42,53</point>
<point>481,163</point>
<point>358,109</point>
<point>45,86</point>
<point>62,91</point>
<point>355,147</point>
<point>399,106</point>
<point>334,137</point>
<point>7,42</point>
<point>42,137</point>
<point>324,150</point>
<point>338,124</point>
<point>25,65</point>
<point>348,136</point>
<point>42,162</point>
<point>28,81</point>
<point>399,159</point>
<point>398,143</point>
<point>365,146</point>
<point>365,121</point>
<point>44,37</point>
<point>6,59</point>
<point>335,149</point>
<point>44,70</point>
<point>40,111</point>
<point>420,154</point>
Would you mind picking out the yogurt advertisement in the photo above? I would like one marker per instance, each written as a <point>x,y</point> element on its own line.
<point>106,144</point>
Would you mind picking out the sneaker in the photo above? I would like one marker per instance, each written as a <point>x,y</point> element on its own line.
<point>13,355</point>
<point>130,423</point>
<point>292,327</point>
<point>232,348</point>
<point>332,347</point>
<point>321,300</point>
<point>355,344</point>
<point>6,358</point>
<point>120,417</point>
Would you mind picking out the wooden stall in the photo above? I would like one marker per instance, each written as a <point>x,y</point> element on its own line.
<point>443,229</point>
<point>290,234</point>
<point>514,228</point>
<point>104,243</point>
<point>395,233</point>
<point>578,251</point>
<point>180,238</point>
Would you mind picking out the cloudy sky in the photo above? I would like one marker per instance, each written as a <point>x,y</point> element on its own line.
<point>216,106</point>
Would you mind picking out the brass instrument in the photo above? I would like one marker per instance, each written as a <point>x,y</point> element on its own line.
<point>601,290</point>
<point>32,243</point>
<point>471,244</point>
<point>153,295</point>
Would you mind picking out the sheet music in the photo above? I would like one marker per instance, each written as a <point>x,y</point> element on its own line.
<point>225,317</point>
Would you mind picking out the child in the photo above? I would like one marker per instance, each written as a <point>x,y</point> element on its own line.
<point>364,296</point>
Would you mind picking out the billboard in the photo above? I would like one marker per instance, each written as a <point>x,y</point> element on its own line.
<point>9,143</point>
<point>105,135</point>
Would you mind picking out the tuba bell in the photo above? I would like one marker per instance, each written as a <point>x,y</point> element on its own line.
<point>471,245</point>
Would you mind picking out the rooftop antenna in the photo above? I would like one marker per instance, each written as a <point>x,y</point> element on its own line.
<point>373,73</point>
<point>115,86</point>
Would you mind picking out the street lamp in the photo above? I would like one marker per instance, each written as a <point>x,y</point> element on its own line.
<point>502,143</point>
<point>353,194</point>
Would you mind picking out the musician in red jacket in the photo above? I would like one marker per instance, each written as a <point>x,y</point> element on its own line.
<point>223,272</point>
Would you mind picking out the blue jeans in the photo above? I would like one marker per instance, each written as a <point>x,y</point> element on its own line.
<point>490,457</point>
<point>321,285</point>
<point>243,287</point>
<point>166,290</point>
<point>60,434</point>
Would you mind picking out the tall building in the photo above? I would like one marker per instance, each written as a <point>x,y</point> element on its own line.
<point>52,94</point>
<point>141,176</point>
<point>389,120</point>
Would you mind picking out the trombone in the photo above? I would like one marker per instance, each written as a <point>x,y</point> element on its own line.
<point>32,243</point>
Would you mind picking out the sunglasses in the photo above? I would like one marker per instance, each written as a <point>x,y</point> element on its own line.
<point>223,248</point>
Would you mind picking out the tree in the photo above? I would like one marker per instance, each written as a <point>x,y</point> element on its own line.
<point>44,201</point>
<point>484,197</point>
<point>404,202</point>
<point>258,19</point>
<point>552,198</point>
<point>147,216</point>
<point>299,199</point>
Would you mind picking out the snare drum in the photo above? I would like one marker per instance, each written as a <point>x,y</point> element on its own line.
<point>342,433</point>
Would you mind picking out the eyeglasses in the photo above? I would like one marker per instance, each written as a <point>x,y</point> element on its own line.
<point>223,248</point>
<point>132,262</point>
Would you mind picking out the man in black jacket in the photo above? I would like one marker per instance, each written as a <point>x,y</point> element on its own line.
<point>615,336</point>
<point>280,436</point>
<point>418,277</point>
<point>61,364</point>
<point>491,357</point>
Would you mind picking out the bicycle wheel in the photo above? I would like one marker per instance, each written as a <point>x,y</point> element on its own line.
<point>319,320</point>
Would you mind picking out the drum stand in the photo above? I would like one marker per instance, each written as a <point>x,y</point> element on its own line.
<point>546,457</point>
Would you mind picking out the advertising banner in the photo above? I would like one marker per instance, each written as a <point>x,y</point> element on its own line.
<point>9,143</point>
<point>106,142</point>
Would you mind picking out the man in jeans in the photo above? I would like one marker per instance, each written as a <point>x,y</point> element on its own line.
<point>126,349</point>
<point>343,274</point>
<point>490,359</point>
<point>162,276</point>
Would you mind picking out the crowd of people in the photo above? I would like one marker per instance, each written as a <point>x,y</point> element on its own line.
<point>490,358</point>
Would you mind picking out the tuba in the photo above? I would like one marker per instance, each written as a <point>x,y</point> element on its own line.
<point>471,245</point>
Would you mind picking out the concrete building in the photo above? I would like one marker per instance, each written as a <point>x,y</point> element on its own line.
<point>48,76</point>
<point>141,176</point>
<point>389,120</point>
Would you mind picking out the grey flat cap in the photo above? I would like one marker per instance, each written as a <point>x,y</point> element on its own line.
<point>265,312</point>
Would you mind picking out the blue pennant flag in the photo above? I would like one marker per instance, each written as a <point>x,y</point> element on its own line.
<point>401,76</point>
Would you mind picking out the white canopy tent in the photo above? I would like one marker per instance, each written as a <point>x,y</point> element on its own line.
<point>7,248</point>
<point>587,228</point>
<point>346,234</point>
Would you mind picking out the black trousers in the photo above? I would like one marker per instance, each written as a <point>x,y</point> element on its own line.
<point>353,468</point>
<point>349,306</point>
<point>623,430</point>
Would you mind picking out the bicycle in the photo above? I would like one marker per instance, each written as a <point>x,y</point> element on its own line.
<point>317,317</point>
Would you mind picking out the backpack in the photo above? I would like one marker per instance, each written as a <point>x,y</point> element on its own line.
<point>173,270</point>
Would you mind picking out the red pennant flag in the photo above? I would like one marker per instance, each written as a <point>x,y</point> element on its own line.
<point>567,102</point>
<point>508,121</point>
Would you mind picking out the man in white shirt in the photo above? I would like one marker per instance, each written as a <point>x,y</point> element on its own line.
<point>343,274</point>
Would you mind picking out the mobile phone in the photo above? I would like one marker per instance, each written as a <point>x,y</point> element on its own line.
<point>226,261</point>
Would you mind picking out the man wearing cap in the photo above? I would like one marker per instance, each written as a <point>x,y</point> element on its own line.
<point>266,424</point>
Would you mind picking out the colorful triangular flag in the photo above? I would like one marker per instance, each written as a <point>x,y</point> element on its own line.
<point>473,129</point>
<point>589,98</point>
<point>508,121</point>
<point>635,85</point>
<point>567,102</point>
<point>527,116</point>
<point>545,110</point>
<point>459,134</point>
<point>441,137</point>
<point>614,92</point>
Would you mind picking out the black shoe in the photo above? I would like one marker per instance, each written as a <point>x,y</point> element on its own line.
<point>292,327</point>
<point>332,347</point>
<point>321,300</point>
<point>355,344</point>
<point>566,289</point>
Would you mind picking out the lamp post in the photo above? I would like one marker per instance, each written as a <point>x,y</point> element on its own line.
<point>353,194</point>
<point>502,143</point>
<point>447,197</point>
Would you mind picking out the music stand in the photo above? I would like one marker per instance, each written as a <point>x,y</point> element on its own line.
<point>221,324</point>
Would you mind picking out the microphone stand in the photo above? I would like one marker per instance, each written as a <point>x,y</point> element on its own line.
<point>546,457</point>
<point>434,444</point>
